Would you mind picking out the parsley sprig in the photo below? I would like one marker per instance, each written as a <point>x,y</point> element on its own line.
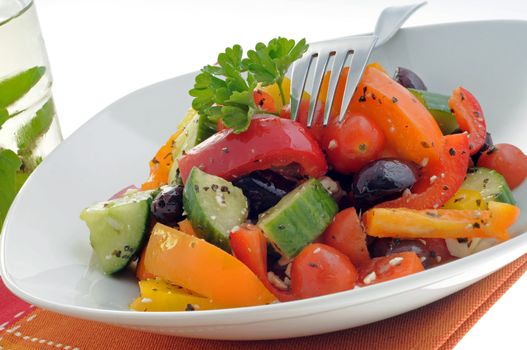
<point>225,91</point>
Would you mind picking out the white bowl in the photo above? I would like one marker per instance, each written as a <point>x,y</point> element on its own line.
<point>46,255</point>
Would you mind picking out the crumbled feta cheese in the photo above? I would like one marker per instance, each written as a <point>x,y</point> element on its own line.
<point>370,278</point>
<point>276,281</point>
<point>396,261</point>
<point>433,178</point>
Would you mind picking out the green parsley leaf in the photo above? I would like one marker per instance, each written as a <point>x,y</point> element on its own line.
<point>225,91</point>
<point>9,184</point>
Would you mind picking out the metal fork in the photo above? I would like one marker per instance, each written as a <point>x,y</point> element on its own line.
<point>359,47</point>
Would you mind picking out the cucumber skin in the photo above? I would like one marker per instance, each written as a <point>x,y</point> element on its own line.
<point>200,127</point>
<point>201,218</point>
<point>503,194</point>
<point>299,223</point>
<point>97,222</point>
<point>437,105</point>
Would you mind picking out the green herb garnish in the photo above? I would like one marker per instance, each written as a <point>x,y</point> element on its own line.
<point>15,87</point>
<point>29,133</point>
<point>9,185</point>
<point>225,91</point>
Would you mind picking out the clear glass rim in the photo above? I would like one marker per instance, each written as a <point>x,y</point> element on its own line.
<point>12,9</point>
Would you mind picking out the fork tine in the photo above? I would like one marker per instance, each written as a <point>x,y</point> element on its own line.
<point>298,82</point>
<point>338,64</point>
<point>361,52</point>
<point>322,63</point>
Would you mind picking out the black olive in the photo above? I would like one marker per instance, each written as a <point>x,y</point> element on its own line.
<point>488,146</point>
<point>263,190</point>
<point>386,246</point>
<point>167,207</point>
<point>382,180</point>
<point>409,79</point>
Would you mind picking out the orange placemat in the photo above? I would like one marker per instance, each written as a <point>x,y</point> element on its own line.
<point>436,326</point>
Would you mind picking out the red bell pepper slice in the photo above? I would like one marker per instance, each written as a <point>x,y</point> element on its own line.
<point>249,245</point>
<point>469,117</point>
<point>269,142</point>
<point>439,179</point>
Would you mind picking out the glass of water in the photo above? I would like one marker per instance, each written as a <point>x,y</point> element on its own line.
<point>29,129</point>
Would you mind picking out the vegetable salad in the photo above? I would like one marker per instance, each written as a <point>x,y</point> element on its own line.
<point>244,206</point>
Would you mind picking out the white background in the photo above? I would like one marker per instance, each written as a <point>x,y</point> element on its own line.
<point>101,50</point>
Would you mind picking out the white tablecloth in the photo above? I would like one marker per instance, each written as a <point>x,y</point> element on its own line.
<point>101,50</point>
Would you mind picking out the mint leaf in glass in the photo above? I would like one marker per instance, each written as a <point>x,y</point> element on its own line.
<point>15,87</point>
<point>9,184</point>
<point>4,116</point>
<point>29,133</point>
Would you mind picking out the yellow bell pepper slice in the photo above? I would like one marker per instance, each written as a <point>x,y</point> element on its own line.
<point>442,223</point>
<point>466,200</point>
<point>159,295</point>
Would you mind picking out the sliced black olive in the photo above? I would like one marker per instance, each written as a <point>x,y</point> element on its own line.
<point>263,190</point>
<point>167,207</point>
<point>382,180</point>
<point>409,79</point>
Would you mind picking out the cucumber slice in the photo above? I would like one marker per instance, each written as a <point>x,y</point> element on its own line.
<point>490,184</point>
<point>214,206</point>
<point>298,218</point>
<point>118,228</point>
<point>437,105</point>
<point>198,129</point>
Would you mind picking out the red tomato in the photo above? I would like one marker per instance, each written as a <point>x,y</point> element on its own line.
<point>345,233</point>
<point>269,142</point>
<point>319,270</point>
<point>317,128</point>
<point>508,160</point>
<point>264,101</point>
<point>469,117</point>
<point>389,267</point>
<point>353,143</point>
<point>249,245</point>
<point>439,253</point>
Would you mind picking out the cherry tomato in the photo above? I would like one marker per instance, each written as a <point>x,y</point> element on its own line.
<point>508,160</point>
<point>319,270</point>
<point>345,233</point>
<point>316,129</point>
<point>439,253</point>
<point>389,267</point>
<point>353,143</point>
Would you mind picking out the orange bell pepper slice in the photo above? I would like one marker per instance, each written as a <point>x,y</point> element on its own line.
<point>161,163</point>
<point>203,268</point>
<point>442,223</point>
<point>408,126</point>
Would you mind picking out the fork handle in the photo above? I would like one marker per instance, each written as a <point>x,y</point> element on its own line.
<point>391,20</point>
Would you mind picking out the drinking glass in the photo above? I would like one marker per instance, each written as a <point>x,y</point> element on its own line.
<point>29,129</point>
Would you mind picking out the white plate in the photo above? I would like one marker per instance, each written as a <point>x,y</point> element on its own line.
<point>45,252</point>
